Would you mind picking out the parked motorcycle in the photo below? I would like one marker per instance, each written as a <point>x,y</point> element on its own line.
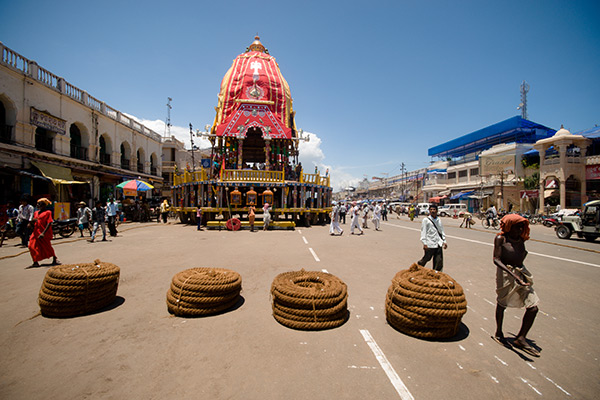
<point>8,231</point>
<point>550,221</point>
<point>65,227</point>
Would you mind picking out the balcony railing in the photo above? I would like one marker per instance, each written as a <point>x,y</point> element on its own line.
<point>6,134</point>
<point>81,153</point>
<point>44,143</point>
<point>104,159</point>
<point>125,163</point>
<point>140,167</point>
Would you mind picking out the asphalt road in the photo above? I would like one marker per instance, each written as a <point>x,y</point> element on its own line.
<point>136,350</point>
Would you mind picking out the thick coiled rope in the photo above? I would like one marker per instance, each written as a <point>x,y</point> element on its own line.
<point>309,300</point>
<point>424,303</point>
<point>203,291</point>
<point>77,289</point>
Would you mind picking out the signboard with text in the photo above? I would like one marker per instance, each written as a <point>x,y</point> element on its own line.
<point>592,172</point>
<point>496,165</point>
<point>62,211</point>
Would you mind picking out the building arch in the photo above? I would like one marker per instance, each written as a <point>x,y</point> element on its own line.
<point>80,141</point>
<point>153,164</point>
<point>125,155</point>
<point>141,159</point>
<point>8,119</point>
<point>105,150</point>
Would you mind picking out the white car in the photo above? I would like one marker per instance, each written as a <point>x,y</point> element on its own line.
<point>452,209</point>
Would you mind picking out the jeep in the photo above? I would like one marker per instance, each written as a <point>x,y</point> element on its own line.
<point>585,226</point>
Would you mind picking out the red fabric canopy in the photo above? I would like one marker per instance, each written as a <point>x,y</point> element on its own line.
<point>437,199</point>
<point>254,94</point>
<point>254,116</point>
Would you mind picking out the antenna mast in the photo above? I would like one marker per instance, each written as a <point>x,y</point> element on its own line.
<point>168,124</point>
<point>523,105</point>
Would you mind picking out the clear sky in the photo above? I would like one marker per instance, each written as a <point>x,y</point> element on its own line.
<point>376,83</point>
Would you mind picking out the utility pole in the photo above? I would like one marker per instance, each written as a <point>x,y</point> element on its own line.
<point>402,170</point>
<point>192,142</point>
<point>168,122</point>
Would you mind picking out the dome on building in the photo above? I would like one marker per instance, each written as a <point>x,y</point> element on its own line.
<point>254,94</point>
<point>562,132</point>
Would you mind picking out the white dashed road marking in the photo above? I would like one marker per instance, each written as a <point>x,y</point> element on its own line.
<point>387,367</point>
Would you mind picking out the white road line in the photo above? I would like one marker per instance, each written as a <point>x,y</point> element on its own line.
<point>314,254</point>
<point>305,241</point>
<point>494,378</point>
<point>496,357</point>
<point>491,244</point>
<point>555,384</point>
<point>387,367</point>
<point>299,231</point>
<point>324,270</point>
<point>529,384</point>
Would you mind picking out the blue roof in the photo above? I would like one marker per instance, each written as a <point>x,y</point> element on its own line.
<point>512,130</point>
<point>591,133</point>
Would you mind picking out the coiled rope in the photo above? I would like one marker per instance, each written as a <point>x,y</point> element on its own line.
<point>203,291</point>
<point>77,289</point>
<point>309,300</point>
<point>424,303</point>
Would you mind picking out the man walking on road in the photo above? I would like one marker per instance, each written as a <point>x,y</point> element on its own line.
<point>433,239</point>
<point>111,211</point>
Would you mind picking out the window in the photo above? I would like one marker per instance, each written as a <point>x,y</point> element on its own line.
<point>451,175</point>
<point>462,174</point>
<point>474,171</point>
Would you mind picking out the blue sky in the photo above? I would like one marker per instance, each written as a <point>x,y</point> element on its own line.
<point>375,83</point>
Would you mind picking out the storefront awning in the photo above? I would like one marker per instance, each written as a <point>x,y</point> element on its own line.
<point>58,175</point>
<point>462,194</point>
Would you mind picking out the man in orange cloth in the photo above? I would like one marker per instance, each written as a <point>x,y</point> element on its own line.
<point>39,242</point>
<point>514,283</point>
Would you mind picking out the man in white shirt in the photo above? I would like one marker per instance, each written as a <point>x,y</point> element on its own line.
<point>24,220</point>
<point>111,212</point>
<point>433,239</point>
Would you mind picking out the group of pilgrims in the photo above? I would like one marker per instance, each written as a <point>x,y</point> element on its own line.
<point>359,216</point>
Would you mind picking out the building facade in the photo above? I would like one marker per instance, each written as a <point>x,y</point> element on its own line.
<point>56,140</point>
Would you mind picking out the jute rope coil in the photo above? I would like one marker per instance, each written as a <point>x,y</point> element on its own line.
<point>203,291</point>
<point>77,289</point>
<point>424,303</point>
<point>309,300</point>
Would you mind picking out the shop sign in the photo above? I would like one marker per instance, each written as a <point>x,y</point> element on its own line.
<point>62,211</point>
<point>47,121</point>
<point>592,172</point>
<point>495,165</point>
<point>532,194</point>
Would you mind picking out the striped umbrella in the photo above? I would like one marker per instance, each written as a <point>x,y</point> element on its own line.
<point>135,184</point>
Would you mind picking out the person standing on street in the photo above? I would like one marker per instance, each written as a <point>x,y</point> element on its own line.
<point>384,212</point>
<point>433,239</point>
<point>335,221</point>
<point>266,217</point>
<point>111,212</point>
<point>514,283</point>
<point>343,213</point>
<point>199,218</point>
<point>354,214</point>
<point>24,219</point>
<point>84,216</point>
<point>99,219</point>
<point>377,216</point>
<point>164,210</point>
<point>40,247</point>
<point>251,217</point>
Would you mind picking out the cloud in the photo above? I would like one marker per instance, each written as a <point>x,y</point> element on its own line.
<point>180,133</point>
<point>311,154</point>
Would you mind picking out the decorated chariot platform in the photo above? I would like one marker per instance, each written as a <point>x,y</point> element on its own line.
<point>254,154</point>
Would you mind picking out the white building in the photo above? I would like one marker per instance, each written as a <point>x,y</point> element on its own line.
<point>57,140</point>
